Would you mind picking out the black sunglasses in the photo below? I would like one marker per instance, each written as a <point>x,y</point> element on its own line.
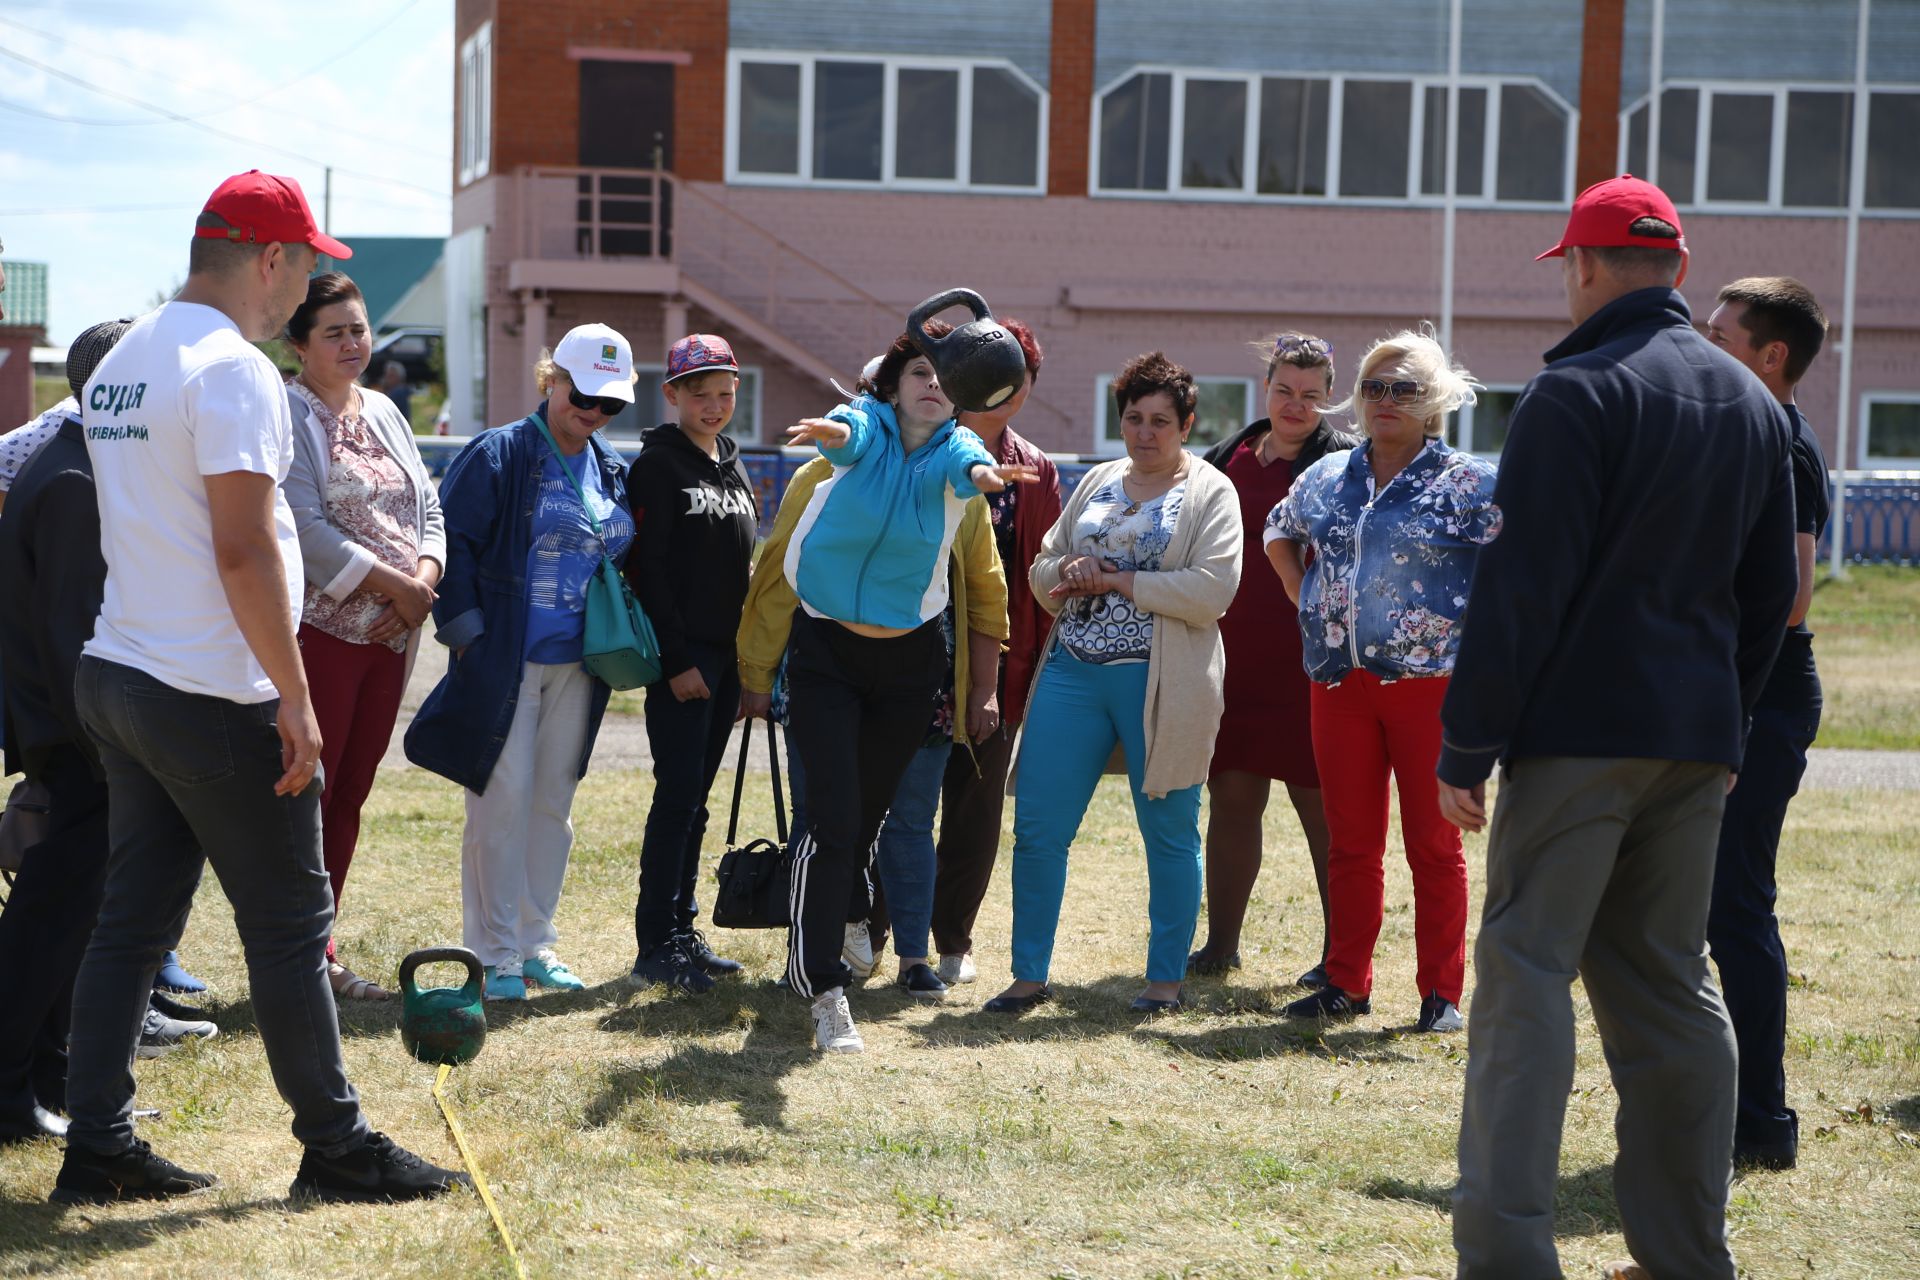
<point>608,405</point>
<point>1375,390</point>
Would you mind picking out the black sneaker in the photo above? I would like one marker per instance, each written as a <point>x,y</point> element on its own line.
<point>134,1174</point>
<point>922,983</point>
<point>668,964</point>
<point>705,958</point>
<point>1330,1004</point>
<point>379,1170</point>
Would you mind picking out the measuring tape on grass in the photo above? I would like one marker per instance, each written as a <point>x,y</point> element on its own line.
<point>473,1169</point>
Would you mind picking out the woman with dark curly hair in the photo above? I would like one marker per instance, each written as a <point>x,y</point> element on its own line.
<point>1138,569</point>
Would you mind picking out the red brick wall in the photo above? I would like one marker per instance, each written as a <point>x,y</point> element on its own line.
<point>1070,97</point>
<point>16,375</point>
<point>536,105</point>
<point>1599,92</point>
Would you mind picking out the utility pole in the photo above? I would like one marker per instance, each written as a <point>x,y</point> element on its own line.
<point>326,211</point>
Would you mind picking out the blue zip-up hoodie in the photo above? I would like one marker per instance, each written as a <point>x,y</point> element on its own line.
<point>871,546</point>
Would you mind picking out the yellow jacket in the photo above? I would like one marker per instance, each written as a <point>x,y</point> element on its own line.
<point>978,583</point>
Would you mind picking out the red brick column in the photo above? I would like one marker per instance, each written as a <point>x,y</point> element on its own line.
<point>1070,97</point>
<point>1599,93</point>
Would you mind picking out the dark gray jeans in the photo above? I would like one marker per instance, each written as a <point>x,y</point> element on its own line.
<point>190,782</point>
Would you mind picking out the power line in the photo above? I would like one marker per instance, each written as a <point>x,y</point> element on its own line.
<point>178,118</point>
<point>225,107</point>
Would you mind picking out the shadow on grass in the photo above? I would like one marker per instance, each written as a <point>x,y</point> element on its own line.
<point>1906,1113</point>
<point>1583,1203</point>
<point>41,1238</point>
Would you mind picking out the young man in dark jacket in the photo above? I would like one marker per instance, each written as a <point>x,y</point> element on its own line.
<point>1623,625</point>
<point>1773,326</point>
<point>695,519</point>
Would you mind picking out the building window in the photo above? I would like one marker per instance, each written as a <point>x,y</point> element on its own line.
<point>913,123</point>
<point>1776,147</point>
<point>1892,424</point>
<point>1226,406</point>
<point>476,104</point>
<point>1481,427</point>
<point>1214,134</point>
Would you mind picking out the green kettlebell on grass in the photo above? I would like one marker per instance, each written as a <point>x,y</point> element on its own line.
<point>443,1024</point>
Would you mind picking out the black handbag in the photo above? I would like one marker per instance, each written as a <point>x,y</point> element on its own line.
<point>755,877</point>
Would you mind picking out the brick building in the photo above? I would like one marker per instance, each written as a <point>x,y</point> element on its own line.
<point>23,326</point>
<point>1129,174</point>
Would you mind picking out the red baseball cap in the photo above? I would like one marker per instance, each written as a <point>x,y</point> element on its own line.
<point>264,208</point>
<point>1605,212</point>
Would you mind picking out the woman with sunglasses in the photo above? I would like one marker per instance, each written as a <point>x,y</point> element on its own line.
<point>1394,526</point>
<point>1263,736</point>
<point>530,510</point>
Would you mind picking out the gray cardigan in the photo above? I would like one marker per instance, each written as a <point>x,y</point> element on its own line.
<point>335,563</point>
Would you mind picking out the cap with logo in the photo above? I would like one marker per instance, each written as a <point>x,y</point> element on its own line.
<point>1604,214</point>
<point>598,361</point>
<point>264,208</point>
<point>89,349</point>
<point>700,353</point>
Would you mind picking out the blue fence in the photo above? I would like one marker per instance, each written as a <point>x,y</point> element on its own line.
<point>1882,519</point>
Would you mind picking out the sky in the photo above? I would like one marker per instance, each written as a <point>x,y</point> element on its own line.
<point>101,180</point>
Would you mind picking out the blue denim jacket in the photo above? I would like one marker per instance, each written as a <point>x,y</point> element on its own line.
<point>1387,589</point>
<point>487,499</point>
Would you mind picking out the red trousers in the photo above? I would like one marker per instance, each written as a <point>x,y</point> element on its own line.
<point>356,698</point>
<point>1362,728</point>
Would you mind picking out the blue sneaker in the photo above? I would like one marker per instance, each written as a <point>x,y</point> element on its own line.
<point>505,985</point>
<point>545,969</point>
<point>172,977</point>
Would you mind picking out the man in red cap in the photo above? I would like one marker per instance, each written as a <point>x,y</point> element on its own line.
<point>193,690</point>
<point>1623,625</point>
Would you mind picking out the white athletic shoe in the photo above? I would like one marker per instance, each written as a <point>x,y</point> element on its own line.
<point>857,950</point>
<point>833,1029</point>
<point>958,969</point>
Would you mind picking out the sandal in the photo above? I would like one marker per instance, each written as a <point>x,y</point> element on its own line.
<point>348,985</point>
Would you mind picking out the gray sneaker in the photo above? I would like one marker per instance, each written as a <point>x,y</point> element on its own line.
<point>1438,1014</point>
<point>161,1035</point>
<point>833,1029</point>
<point>955,970</point>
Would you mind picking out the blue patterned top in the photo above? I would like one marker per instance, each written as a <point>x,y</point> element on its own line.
<point>1387,589</point>
<point>1134,535</point>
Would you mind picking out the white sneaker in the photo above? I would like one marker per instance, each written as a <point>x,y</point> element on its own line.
<point>958,969</point>
<point>857,950</point>
<point>833,1029</point>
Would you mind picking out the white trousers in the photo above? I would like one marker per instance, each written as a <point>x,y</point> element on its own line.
<point>513,854</point>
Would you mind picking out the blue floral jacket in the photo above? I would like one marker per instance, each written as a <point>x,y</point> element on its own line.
<point>1387,589</point>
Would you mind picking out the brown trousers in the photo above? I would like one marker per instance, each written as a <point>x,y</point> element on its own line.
<point>973,798</point>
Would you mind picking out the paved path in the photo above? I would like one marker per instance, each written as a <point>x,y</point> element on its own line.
<point>623,745</point>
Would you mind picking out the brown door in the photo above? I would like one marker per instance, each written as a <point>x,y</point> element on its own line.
<point>626,122</point>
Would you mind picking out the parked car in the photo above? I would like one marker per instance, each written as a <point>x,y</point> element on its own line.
<point>415,347</point>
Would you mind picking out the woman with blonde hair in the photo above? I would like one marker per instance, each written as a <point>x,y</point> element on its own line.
<point>530,510</point>
<point>1394,526</point>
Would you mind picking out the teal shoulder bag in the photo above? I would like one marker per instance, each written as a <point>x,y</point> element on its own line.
<point>620,647</point>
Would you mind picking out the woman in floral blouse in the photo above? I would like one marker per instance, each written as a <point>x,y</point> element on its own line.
<point>1394,526</point>
<point>372,541</point>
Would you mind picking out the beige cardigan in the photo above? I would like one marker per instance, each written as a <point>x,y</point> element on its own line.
<point>1199,574</point>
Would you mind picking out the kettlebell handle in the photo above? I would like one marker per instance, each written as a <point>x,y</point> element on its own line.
<point>476,973</point>
<point>918,317</point>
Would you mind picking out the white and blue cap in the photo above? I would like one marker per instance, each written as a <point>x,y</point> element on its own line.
<point>597,360</point>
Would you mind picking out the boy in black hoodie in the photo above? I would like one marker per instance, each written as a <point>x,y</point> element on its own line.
<point>695,519</point>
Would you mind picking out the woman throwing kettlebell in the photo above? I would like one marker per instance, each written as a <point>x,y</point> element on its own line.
<point>868,561</point>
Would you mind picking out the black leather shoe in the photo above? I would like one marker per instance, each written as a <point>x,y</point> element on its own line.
<point>39,1123</point>
<point>1313,979</point>
<point>133,1174</point>
<point>1202,963</point>
<point>1146,1004</point>
<point>1018,1004</point>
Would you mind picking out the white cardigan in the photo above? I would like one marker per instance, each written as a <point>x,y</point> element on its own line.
<point>1196,581</point>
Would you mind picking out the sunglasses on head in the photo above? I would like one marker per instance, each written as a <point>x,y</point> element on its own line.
<point>1312,348</point>
<point>1376,390</point>
<point>608,405</point>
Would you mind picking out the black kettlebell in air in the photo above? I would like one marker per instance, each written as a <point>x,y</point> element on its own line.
<point>980,364</point>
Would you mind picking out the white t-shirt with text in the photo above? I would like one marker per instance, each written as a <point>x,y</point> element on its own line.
<point>182,396</point>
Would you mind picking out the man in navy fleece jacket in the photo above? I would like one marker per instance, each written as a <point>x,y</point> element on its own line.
<point>1622,627</point>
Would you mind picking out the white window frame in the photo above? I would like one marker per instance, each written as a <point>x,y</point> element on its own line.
<point>758,402</point>
<point>1467,444</point>
<point>1869,460</point>
<point>476,104</point>
<point>1336,101</point>
<point>1777,158</point>
<point>892,65</point>
<point>1113,446</point>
